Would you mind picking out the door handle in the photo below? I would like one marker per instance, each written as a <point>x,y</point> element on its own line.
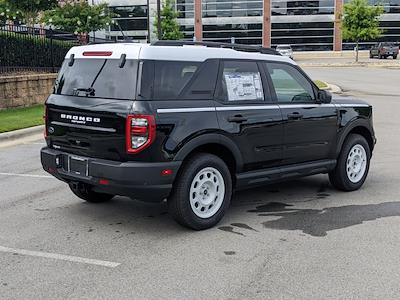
<point>237,119</point>
<point>295,116</point>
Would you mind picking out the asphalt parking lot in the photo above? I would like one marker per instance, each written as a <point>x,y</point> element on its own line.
<point>295,240</point>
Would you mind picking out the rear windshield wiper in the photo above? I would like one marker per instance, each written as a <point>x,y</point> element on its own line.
<point>88,91</point>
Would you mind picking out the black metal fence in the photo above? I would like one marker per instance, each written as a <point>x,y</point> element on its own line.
<point>25,48</point>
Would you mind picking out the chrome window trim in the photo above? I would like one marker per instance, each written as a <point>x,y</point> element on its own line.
<point>185,110</point>
<point>254,107</point>
<point>352,105</point>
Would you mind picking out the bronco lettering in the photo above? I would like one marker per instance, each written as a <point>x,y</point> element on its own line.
<point>79,119</point>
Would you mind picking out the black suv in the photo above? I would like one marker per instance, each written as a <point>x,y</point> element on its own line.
<point>193,123</point>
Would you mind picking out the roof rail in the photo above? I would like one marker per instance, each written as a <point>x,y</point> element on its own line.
<point>238,47</point>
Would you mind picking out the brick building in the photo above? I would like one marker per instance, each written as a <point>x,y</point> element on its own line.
<point>306,24</point>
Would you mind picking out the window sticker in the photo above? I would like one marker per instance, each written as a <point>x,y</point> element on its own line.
<point>243,86</point>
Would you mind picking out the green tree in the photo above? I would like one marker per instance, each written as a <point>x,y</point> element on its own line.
<point>169,26</point>
<point>8,13</point>
<point>80,18</point>
<point>361,22</point>
<point>31,9</point>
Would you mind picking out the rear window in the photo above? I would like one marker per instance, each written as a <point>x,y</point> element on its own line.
<point>283,47</point>
<point>100,78</point>
<point>171,77</point>
<point>388,44</point>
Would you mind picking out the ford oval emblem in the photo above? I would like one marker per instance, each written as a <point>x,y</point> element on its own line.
<point>51,130</point>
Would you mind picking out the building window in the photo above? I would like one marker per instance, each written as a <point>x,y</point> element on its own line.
<point>130,11</point>
<point>311,7</point>
<point>389,6</point>
<point>235,8</point>
<point>304,35</point>
<point>130,24</point>
<point>243,33</point>
<point>185,8</point>
<point>130,18</point>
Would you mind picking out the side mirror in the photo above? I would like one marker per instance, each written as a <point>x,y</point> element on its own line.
<point>324,96</point>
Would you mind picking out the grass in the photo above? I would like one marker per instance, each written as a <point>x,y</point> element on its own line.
<point>18,118</point>
<point>321,84</point>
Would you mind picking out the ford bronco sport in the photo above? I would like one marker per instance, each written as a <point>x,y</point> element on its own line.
<point>193,122</point>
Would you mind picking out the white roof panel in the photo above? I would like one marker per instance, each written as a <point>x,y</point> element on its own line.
<point>174,53</point>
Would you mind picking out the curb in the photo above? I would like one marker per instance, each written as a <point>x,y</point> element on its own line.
<point>334,88</point>
<point>21,133</point>
<point>330,54</point>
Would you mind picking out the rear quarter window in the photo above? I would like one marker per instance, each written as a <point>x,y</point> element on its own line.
<point>171,78</point>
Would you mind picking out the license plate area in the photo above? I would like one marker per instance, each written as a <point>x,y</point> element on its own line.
<point>78,165</point>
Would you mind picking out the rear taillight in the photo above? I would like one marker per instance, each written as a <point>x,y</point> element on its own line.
<point>140,132</point>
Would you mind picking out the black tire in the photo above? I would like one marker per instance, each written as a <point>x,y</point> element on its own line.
<point>338,177</point>
<point>394,56</point>
<point>179,202</point>
<point>86,193</point>
<point>370,55</point>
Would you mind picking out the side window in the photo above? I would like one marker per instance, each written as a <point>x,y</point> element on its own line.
<point>145,90</point>
<point>290,85</point>
<point>202,86</point>
<point>171,77</point>
<point>240,81</point>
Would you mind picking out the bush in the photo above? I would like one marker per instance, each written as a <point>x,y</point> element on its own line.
<point>31,51</point>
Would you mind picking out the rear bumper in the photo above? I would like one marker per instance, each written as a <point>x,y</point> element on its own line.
<point>143,181</point>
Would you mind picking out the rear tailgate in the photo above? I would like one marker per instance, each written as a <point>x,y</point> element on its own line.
<point>390,48</point>
<point>91,127</point>
<point>93,94</point>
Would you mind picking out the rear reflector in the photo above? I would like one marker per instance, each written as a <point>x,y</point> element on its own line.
<point>166,172</point>
<point>104,182</point>
<point>97,53</point>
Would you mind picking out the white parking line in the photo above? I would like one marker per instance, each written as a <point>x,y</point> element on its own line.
<point>103,263</point>
<point>26,175</point>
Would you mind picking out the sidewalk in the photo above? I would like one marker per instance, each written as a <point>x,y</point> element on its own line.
<point>342,59</point>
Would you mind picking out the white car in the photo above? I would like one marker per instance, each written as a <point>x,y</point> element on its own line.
<point>285,50</point>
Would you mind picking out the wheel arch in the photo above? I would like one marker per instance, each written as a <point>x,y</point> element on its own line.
<point>216,144</point>
<point>361,127</point>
